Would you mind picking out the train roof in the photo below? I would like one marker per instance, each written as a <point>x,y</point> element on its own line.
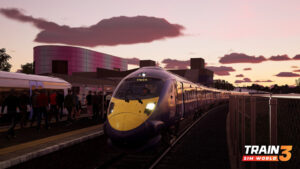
<point>21,80</point>
<point>155,72</point>
<point>158,72</point>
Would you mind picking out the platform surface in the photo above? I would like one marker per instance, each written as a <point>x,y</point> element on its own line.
<point>30,143</point>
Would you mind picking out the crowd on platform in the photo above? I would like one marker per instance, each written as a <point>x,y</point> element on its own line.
<point>25,107</point>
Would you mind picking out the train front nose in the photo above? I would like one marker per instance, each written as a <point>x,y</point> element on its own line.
<point>126,121</point>
<point>128,129</point>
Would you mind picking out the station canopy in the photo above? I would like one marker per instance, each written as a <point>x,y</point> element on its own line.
<point>21,80</point>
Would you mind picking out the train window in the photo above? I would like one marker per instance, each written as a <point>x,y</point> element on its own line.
<point>171,89</point>
<point>136,88</point>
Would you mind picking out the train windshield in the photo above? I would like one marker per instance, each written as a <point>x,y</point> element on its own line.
<point>139,88</point>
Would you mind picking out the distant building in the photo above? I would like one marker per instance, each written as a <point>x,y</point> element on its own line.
<point>197,73</point>
<point>69,59</point>
<point>88,70</point>
<point>144,63</point>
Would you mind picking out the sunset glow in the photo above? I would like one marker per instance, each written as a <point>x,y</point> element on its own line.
<point>244,42</point>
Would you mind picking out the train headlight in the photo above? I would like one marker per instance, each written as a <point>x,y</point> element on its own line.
<point>149,108</point>
<point>111,108</point>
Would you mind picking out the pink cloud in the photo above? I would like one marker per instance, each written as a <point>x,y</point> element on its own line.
<point>239,81</point>
<point>287,74</point>
<point>245,80</point>
<point>294,67</point>
<point>297,70</point>
<point>176,64</point>
<point>240,75</point>
<point>109,32</point>
<point>241,58</point>
<point>297,57</point>
<point>279,58</point>
<point>247,68</point>
<point>263,81</point>
<point>221,71</point>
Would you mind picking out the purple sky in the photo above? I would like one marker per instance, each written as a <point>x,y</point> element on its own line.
<point>216,30</point>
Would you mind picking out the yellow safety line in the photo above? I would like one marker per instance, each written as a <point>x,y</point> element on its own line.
<point>45,140</point>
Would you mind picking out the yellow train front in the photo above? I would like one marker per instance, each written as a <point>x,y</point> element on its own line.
<point>138,109</point>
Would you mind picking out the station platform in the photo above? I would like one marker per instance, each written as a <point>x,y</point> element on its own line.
<point>31,143</point>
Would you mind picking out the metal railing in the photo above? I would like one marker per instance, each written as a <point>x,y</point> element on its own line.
<point>254,120</point>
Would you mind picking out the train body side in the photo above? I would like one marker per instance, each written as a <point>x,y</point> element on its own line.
<point>142,121</point>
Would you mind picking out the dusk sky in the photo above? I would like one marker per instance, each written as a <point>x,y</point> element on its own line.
<point>243,41</point>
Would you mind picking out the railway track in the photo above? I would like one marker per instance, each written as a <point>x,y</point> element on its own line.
<point>164,154</point>
<point>147,159</point>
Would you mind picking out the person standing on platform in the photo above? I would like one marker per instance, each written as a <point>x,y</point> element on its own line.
<point>95,104</point>
<point>100,102</point>
<point>23,103</point>
<point>107,100</point>
<point>69,104</point>
<point>53,106</point>
<point>60,102</point>
<point>78,107</point>
<point>2,98</point>
<point>42,102</point>
<point>89,103</point>
<point>35,107</point>
<point>12,103</point>
<point>75,104</point>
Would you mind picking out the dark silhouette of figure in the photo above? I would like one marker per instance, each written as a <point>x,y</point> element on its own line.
<point>42,102</point>
<point>12,103</point>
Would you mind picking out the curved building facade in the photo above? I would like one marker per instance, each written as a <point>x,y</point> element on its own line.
<point>68,59</point>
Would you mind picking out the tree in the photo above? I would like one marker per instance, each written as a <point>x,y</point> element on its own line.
<point>4,57</point>
<point>298,82</point>
<point>222,84</point>
<point>27,68</point>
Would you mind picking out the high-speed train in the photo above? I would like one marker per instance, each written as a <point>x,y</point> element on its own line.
<point>151,103</point>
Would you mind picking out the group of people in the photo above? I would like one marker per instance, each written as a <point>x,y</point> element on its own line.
<point>97,103</point>
<point>42,104</point>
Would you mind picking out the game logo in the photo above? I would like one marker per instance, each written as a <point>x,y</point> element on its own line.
<point>271,153</point>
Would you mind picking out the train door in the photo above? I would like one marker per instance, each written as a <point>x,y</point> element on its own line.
<point>179,100</point>
<point>172,100</point>
<point>183,102</point>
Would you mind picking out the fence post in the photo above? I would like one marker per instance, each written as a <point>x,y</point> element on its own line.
<point>253,125</point>
<point>233,124</point>
<point>273,126</point>
<point>243,112</point>
<point>237,129</point>
<point>232,115</point>
<point>253,120</point>
<point>273,130</point>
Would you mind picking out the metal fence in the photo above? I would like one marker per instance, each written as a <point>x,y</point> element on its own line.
<point>256,120</point>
